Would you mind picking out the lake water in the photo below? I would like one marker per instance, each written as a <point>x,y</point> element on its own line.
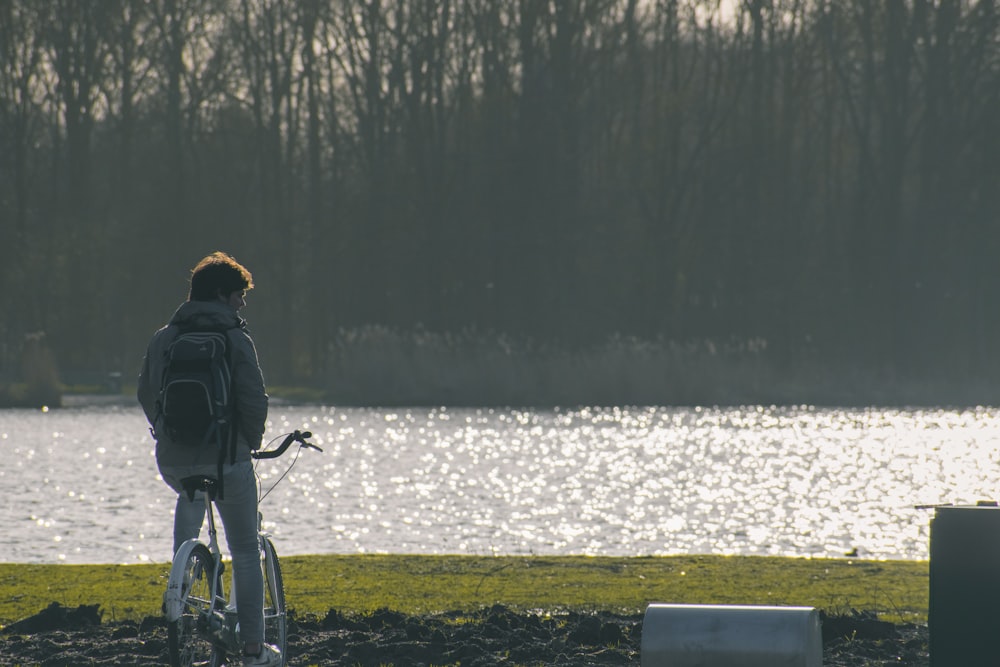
<point>79,485</point>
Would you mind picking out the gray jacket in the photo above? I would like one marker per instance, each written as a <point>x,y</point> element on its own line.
<point>248,382</point>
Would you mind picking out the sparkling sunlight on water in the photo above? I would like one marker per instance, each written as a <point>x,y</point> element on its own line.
<point>80,485</point>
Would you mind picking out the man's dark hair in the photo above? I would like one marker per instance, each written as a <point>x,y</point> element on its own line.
<point>218,274</point>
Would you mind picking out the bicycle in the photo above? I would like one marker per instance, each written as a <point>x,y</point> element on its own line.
<point>201,621</point>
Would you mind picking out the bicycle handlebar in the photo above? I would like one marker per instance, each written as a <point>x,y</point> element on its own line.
<point>300,437</point>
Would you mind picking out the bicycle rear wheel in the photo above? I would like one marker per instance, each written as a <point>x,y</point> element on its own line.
<point>275,622</point>
<point>187,638</point>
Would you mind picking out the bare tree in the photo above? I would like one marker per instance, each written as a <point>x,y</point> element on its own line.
<point>275,42</point>
<point>76,50</point>
<point>193,74</point>
<point>20,119</point>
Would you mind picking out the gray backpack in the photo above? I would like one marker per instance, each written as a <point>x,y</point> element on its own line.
<point>196,398</point>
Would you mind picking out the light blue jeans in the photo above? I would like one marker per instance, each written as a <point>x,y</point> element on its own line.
<point>238,511</point>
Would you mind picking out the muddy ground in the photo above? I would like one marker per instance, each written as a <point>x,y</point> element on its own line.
<point>493,637</point>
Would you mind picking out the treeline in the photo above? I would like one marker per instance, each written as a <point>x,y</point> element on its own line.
<point>817,178</point>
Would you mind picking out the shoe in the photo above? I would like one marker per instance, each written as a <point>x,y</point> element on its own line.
<point>269,656</point>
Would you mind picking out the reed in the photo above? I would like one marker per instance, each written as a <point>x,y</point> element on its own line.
<point>378,365</point>
<point>382,366</point>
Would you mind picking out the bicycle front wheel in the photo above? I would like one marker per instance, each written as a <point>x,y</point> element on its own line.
<point>187,638</point>
<point>275,622</point>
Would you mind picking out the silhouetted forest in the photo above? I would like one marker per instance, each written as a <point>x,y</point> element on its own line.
<point>815,183</point>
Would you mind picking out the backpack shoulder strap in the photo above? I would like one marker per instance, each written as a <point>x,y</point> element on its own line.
<point>234,408</point>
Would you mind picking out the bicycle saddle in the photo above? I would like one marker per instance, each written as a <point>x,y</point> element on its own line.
<point>192,485</point>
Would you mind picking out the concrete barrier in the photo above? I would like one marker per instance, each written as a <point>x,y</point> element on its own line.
<point>679,635</point>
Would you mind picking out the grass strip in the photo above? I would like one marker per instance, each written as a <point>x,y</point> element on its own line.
<point>415,584</point>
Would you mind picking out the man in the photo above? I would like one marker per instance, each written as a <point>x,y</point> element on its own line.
<point>218,291</point>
